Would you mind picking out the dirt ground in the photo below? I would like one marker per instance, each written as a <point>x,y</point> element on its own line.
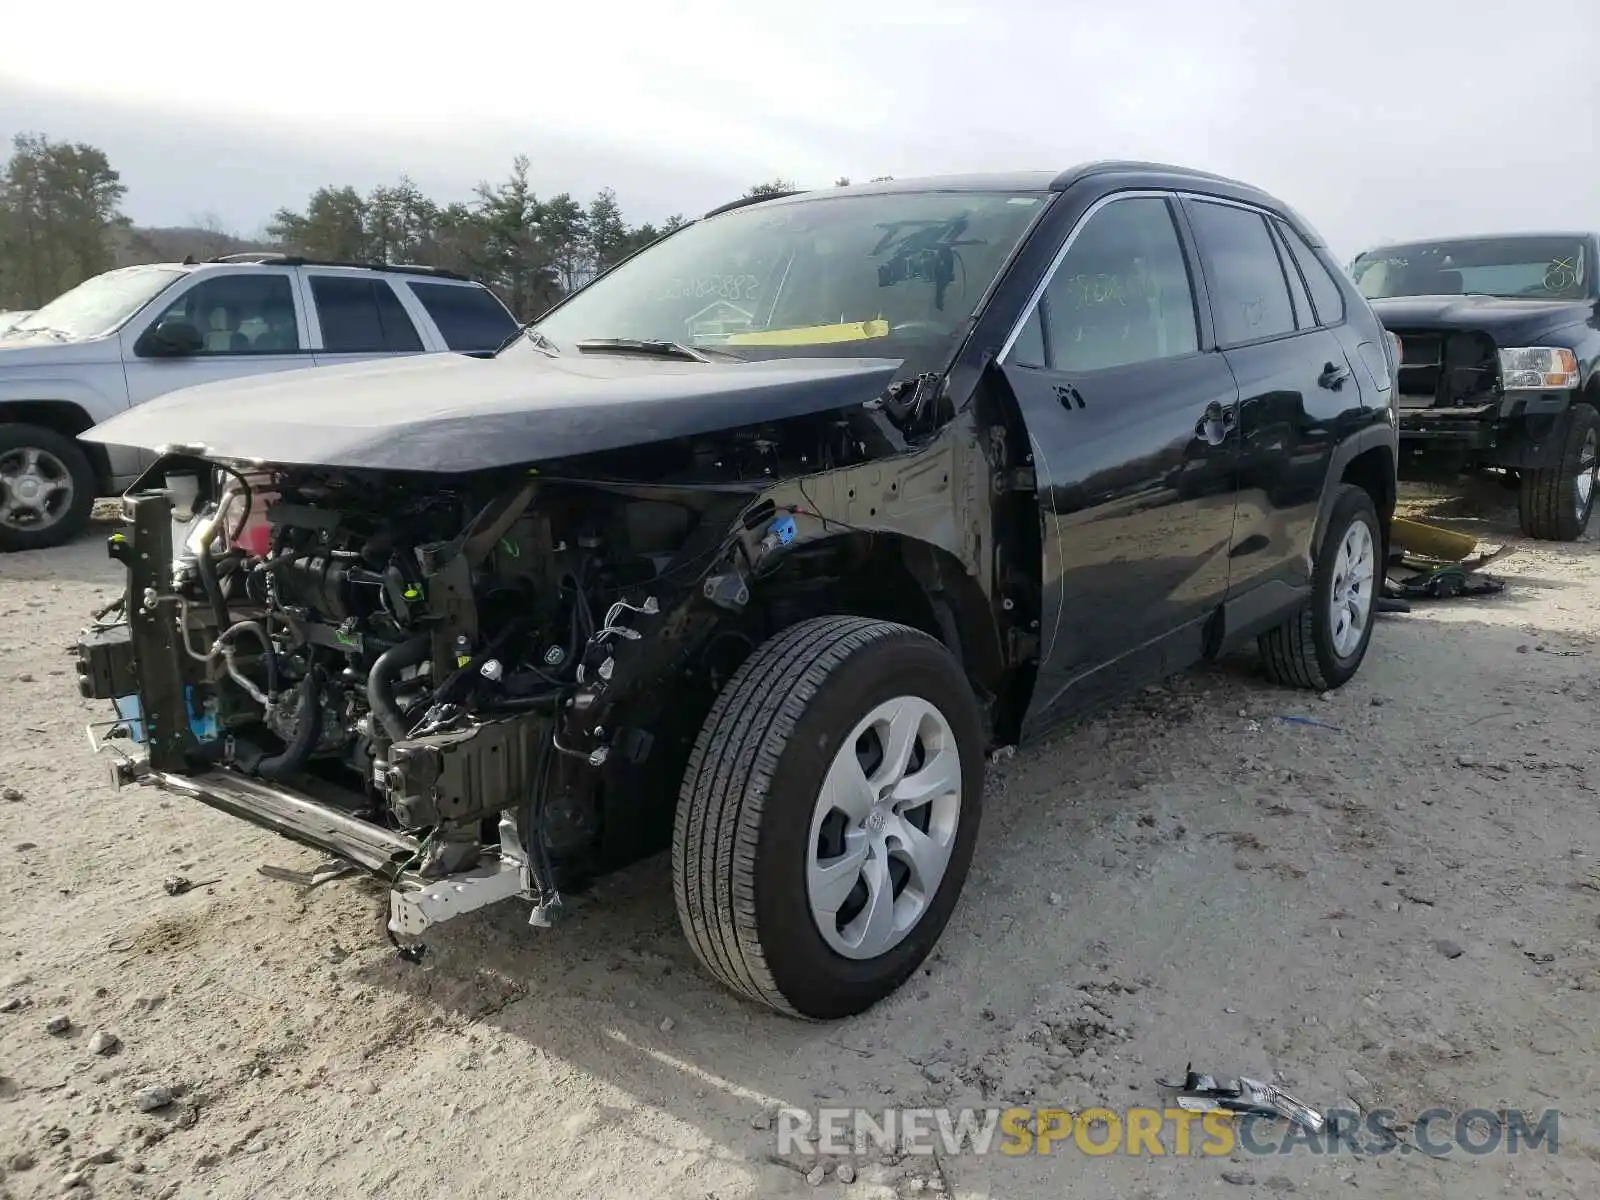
<point>1392,907</point>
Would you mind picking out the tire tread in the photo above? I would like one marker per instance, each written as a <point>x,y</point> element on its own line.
<point>725,786</point>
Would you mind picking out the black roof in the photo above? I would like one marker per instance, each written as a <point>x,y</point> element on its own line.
<point>279,259</point>
<point>1018,181</point>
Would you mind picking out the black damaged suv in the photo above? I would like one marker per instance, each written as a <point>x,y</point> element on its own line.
<point>1500,340</point>
<point>753,548</point>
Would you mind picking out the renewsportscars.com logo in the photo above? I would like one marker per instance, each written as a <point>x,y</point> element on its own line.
<point>1159,1131</point>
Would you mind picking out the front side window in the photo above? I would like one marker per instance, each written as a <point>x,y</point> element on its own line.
<point>1535,267</point>
<point>1121,294</point>
<point>896,274</point>
<point>362,316</point>
<point>239,314</point>
<point>97,305</point>
<point>1249,291</point>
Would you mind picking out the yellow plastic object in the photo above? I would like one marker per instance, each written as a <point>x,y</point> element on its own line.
<point>1431,541</point>
<point>811,335</point>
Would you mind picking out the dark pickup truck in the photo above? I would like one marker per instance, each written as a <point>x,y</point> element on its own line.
<point>1500,337</point>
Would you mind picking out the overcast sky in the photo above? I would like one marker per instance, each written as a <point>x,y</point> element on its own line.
<point>1375,119</point>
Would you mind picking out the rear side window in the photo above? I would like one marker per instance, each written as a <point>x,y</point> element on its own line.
<point>1326,294</point>
<point>469,318</point>
<point>1249,293</point>
<point>362,316</point>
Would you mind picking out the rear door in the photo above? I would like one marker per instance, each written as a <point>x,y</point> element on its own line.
<point>1295,385</point>
<point>1131,417</point>
<point>357,315</point>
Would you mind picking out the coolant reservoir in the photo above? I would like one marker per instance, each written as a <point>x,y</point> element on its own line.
<point>255,535</point>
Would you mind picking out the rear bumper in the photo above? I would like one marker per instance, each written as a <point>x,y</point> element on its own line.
<point>416,903</point>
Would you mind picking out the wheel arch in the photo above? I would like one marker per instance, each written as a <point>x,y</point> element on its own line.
<point>901,578</point>
<point>64,417</point>
<point>1368,460</point>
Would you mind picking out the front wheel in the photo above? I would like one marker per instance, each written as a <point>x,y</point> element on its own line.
<point>1555,502</point>
<point>1322,647</point>
<point>828,815</point>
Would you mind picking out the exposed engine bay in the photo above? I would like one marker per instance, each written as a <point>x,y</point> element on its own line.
<point>469,673</point>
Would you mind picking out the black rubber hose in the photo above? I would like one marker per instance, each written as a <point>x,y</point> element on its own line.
<point>207,567</point>
<point>381,680</point>
<point>298,752</point>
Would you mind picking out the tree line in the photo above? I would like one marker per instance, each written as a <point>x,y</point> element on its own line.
<point>61,221</point>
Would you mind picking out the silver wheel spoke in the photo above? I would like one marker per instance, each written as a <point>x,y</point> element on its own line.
<point>846,788</point>
<point>833,881</point>
<point>938,776</point>
<point>873,931</point>
<point>927,856</point>
<point>899,740</point>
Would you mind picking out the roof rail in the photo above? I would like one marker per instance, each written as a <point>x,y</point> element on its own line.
<point>744,200</point>
<point>280,259</point>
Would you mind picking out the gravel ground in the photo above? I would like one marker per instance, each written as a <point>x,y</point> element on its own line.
<point>1395,907</point>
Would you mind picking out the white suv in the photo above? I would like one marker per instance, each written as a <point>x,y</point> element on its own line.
<point>133,334</point>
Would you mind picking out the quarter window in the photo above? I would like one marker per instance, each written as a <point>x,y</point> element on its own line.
<point>1249,294</point>
<point>362,316</point>
<point>468,317</point>
<point>1121,295</point>
<point>240,314</point>
<point>1326,294</point>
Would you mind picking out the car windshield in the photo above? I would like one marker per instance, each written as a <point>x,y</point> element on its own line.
<point>1537,267</point>
<point>893,274</point>
<point>97,305</point>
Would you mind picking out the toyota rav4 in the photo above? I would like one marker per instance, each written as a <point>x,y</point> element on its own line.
<point>753,548</point>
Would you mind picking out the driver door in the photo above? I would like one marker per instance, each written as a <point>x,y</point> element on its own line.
<point>1132,420</point>
<point>250,321</point>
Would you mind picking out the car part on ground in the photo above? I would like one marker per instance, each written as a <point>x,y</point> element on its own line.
<point>650,578</point>
<point>1499,357</point>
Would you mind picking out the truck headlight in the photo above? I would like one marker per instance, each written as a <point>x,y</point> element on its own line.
<point>1538,368</point>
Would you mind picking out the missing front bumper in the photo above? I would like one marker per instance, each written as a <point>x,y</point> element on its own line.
<point>416,904</point>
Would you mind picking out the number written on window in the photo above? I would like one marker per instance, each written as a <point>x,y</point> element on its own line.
<point>1249,293</point>
<point>1121,295</point>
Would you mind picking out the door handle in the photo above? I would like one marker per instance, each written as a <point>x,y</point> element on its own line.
<point>1333,376</point>
<point>1217,423</point>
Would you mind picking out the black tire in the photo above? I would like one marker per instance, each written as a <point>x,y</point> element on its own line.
<point>740,842</point>
<point>74,519</point>
<point>1548,505</point>
<point>1301,652</point>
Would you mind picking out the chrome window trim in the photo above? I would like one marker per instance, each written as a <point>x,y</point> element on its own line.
<point>1055,264</point>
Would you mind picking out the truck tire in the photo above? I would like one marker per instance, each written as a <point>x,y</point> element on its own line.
<point>47,488</point>
<point>817,900</point>
<point>1323,646</point>
<point>1555,503</point>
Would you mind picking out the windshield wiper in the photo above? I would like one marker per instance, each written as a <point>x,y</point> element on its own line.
<point>61,335</point>
<point>664,349</point>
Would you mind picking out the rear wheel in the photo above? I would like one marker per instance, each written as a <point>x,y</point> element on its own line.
<point>1555,503</point>
<point>828,815</point>
<point>1323,646</point>
<point>47,488</point>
